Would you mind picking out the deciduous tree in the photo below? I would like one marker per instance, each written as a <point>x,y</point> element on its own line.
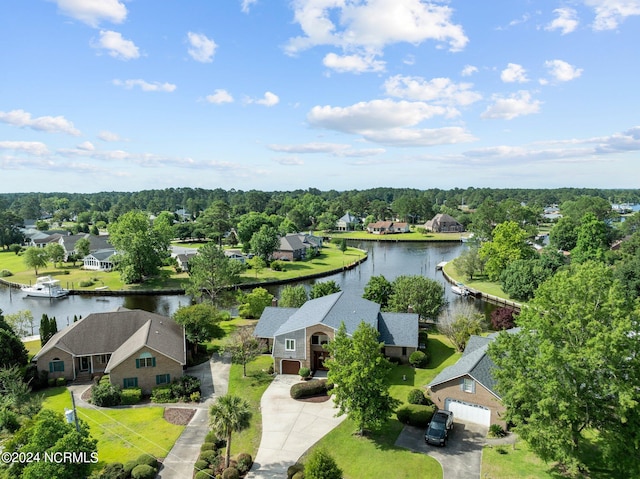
<point>359,371</point>
<point>253,303</point>
<point>424,296</point>
<point>324,288</point>
<point>574,366</point>
<point>55,252</point>
<point>378,289</point>
<point>508,244</point>
<point>243,346</point>
<point>293,296</point>
<point>459,323</point>
<point>35,258</point>
<point>265,242</point>
<point>201,323</point>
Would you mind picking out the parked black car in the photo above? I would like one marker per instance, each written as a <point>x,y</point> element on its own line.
<point>438,430</point>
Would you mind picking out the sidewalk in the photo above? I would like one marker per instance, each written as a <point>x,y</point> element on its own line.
<point>289,428</point>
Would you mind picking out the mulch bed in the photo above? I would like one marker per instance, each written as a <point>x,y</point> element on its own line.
<point>178,416</point>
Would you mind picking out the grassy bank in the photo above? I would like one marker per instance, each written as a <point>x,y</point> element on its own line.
<point>412,236</point>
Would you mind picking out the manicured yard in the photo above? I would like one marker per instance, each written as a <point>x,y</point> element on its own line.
<point>481,283</point>
<point>499,462</point>
<point>122,434</point>
<point>250,388</point>
<point>32,347</point>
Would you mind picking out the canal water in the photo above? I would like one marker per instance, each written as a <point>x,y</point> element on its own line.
<point>390,259</point>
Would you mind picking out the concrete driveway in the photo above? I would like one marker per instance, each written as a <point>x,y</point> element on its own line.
<point>289,428</point>
<point>461,458</point>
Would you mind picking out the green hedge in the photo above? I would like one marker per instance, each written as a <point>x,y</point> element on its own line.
<point>162,394</point>
<point>415,414</point>
<point>131,396</point>
<point>314,387</point>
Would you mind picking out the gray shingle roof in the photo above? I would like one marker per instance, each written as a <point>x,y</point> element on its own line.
<point>399,329</point>
<point>291,243</point>
<point>272,318</point>
<point>106,333</point>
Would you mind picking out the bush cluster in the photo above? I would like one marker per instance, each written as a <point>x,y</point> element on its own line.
<point>314,387</point>
<point>5,272</point>
<point>419,359</point>
<point>278,265</point>
<point>184,389</point>
<point>144,467</point>
<point>296,471</point>
<point>416,396</point>
<point>304,372</point>
<point>496,430</point>
<point>415,415</point>
<point>130,396</point>
<point>36,379</point>
<point>106,395</point>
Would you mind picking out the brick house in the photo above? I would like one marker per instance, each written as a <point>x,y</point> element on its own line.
<point>136,348</point>
<point>467,387</point>
<point>296,336</point>
<point>444,223</point>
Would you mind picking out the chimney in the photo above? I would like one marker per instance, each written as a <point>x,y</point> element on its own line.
<point>410,309</point>
<point>274,302</point>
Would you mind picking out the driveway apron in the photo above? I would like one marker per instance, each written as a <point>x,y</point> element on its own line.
<point>289,428</point>
<point>461,458</point>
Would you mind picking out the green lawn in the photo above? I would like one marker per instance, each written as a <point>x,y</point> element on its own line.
<point>503,462</point>
<point>250,388</point>
<point>481,283</point>
<point>122,434</point>
<point>413,236</point>
<point>32,347</point>
<point>377,456</point>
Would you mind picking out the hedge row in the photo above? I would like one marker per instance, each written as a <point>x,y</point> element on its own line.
<point>415,414</point>
<point>315,387</point>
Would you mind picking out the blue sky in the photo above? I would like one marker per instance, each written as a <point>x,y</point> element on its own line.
<point>126,95</point>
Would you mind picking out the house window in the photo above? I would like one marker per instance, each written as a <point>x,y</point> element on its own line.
<point>319,339</point>
<point>130,383</point>
<point>163,379</point>
<point>404,351</point>
<point>146,361</point>
<point>468,385</point>
<point>289,344</point>
<point>104,358</point>
<point>56,366</point>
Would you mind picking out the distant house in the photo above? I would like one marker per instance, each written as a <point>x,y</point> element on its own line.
<point>444,223</point>
<point>136,348</point>
<point>235,255</point>
<point>347,223</point>
<point>96,243</point>
<point>468,388</point>
<point>297,335</point>
<point>101,260</point>
<point>295,246</point>
<point>388,227</point>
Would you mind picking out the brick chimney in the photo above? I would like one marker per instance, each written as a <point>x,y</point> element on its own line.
<point>274,302</point>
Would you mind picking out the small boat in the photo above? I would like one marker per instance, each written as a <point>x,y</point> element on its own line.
<point>46,287</point>
<point>460,289</point>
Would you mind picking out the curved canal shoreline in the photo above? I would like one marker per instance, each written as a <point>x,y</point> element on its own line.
<point>179,291</point>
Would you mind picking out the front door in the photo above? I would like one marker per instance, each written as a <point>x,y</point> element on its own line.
<point>319,357</point>
<point>84,363</point>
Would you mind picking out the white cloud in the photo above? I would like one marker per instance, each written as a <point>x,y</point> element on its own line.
<point>87,146</point>
<point>469,70</point>
<point>202,48</point>
<point>566,20</point>
<point>514,73</point>
<point>368,27</point>
<point>441,91</point>
<point>517,104</point>
<point>145,86</point>
<point>562,71</point>
<point>269,99</point>
<point>92,12</point>
<point>51,124</point>
<point>610,13</point>
<point>353,63</point>
<point>109,136</point>
<point>117,46</point>
<point>310,148</point>
<point>219,97</point>
<point>35,148</point>
<point>388,122</point>
<point>246,5</point>
<point>289,160</point>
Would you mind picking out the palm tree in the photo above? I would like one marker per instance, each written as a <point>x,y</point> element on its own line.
<point>227,415</point>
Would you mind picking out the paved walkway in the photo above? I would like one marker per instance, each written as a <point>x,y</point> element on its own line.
<point>289,428</point>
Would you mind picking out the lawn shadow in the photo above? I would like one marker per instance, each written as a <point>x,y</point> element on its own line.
<point>439,352</point>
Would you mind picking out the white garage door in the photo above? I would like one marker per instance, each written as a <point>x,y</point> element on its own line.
<point>465,411</point>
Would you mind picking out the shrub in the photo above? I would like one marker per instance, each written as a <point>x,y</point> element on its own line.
<point>148,459</point>
<point>51,382</point>
<point>128,467</point>
<point>114,470</point>
<point>502,450</point>
<point>416,396</point>
<point>278,265</point>
<point>418,359</point>
<point>314,387</point>
<point>131,396</point>
<point>162,394</point>
<point>143,471</point>
<point>200,465</point>
<point>496,430</point>
<point>208,446</point>
<point>195,397</point>
<point>183,387</point>
<point>9,420</point>
<point>209,456</point>
<point>61,381</point>
<point>230,473</point>
<point>320,465</point>
<point>292,470</point>
<point>415,415</point>
<point>105,395</point>
<point>5,272</point>
<point>245,461</point>
<point>85,283</point>
<point>203,475</point>
<point>304,372</point>
<point>298,475</point>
